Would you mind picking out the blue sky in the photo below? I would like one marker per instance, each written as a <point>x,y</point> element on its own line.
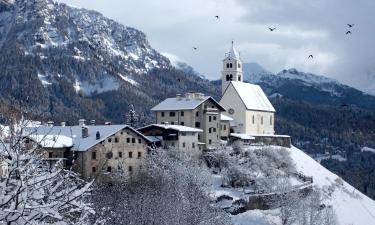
<point>303,27</point>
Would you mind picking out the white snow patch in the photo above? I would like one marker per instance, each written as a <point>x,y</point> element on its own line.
<point>367,149</point>
<point>100,86</point>
<point>127,79</point>
<point>44,80</point>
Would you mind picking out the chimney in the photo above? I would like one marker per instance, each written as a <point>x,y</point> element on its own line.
<point>92,122</point>
<point>63,124</point>
<point>178,97</point>
<point>81,122</point>
<point>97,135</point>
<point>85,132</point>
<point>50,123</point>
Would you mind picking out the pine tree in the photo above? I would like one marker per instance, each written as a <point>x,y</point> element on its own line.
<point>132,117</point>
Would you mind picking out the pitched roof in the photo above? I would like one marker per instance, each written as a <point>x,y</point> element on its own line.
<point>225,118</point>
<point>179,128</point>
<point>174,104</point>
<point>233,53</point>
<point>253,96</point>
<point>62,134</point>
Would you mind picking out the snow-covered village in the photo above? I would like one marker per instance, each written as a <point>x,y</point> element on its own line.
<point>138,112</point>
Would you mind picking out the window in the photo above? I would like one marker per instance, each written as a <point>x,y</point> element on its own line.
<point>227,65</point>
<point>239,65</point>
<point>93,169</point>
<point>225,127</point>
<point>109,139</point>
<point>214,130</point>
<point>209,141</point>
<point>162,114</point>
<point>128,140</point>
<point>93,155</point>
<point>209,130</point>
<point>50,154</point>
<point>215,118</point>
<point>209,119</point>
<point>197,114</point>
<point>182,124</point>
<point>199,136</point>
<point>130,168</point>
<point>270,120</point>
<point>27,141</point>
<point>230,65</point>
<point>182,113</point>
<point>261,120</point>
<point>197,124</point>
<point>120,154</point>
<point>228,78</point>
<point>130,154</point>
<point>116,139</point>
<point>231,77</point>
<point>253,119</point>
<point>239,78</point>
<point>172,123</point>
<point>193,145</point>
<point>133,140</point>
<point>172,114</point>
<point>109,169</point>
<point>183,145</point>
<point>139,155</point>
<point>139,141</point>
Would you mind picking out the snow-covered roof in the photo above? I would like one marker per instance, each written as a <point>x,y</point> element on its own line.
<point>253,96</point>
<point>242,136</point>
<point>178,128</point>
<point>233,53</point>
<point>63,133</point>
<point>225,118</point>
<point>52,141</point>
<point>184,103</point>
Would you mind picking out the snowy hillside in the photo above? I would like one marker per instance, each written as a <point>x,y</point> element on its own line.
<point>349,205</point>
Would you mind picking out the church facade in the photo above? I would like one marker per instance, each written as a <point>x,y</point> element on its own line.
<point>246,103</point>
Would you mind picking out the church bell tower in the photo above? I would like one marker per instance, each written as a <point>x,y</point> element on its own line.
<point>232,68</point>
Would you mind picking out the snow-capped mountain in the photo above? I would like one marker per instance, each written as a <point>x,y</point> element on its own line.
<point>309,87</point>
<point>180,64</point>
<point>76,57</point>
<point>39,28</point>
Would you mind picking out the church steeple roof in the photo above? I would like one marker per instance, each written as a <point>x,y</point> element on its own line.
<point>233,52</point>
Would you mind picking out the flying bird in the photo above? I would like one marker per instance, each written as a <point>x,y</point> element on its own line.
<point>311,56</point>
<point>350,25</point>
<point>217,17</point>
<point>348,32</point>
<point>272,29</point>
<point>195,48</point>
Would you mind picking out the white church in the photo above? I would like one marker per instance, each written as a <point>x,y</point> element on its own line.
<point>246,103</point>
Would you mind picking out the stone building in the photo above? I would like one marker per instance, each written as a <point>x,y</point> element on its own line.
<point>97,150</point>
<point>175,136</point>
<point>193,110</point>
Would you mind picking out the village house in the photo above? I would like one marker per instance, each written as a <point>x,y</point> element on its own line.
<point>193,110</point>
<point>174,136</point>
<point>97,150</point>
<point>226,126</point>
<point>246,103</point>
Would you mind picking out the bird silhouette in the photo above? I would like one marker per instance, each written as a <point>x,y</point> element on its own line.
<point>350,25</point>
<point>217,17</point>
<point>311,56</point>
<point>348,32</point>
<point>272,29</point>
<point>195,48</point>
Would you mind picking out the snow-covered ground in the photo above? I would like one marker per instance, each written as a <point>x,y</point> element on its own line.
<point>351,206</point>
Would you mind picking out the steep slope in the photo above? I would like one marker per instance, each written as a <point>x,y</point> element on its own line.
<point>350,205</point>
<point>75,63</point>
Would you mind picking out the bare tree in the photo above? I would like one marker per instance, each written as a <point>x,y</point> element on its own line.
<point>171,190</point>
<point>33,192</point>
